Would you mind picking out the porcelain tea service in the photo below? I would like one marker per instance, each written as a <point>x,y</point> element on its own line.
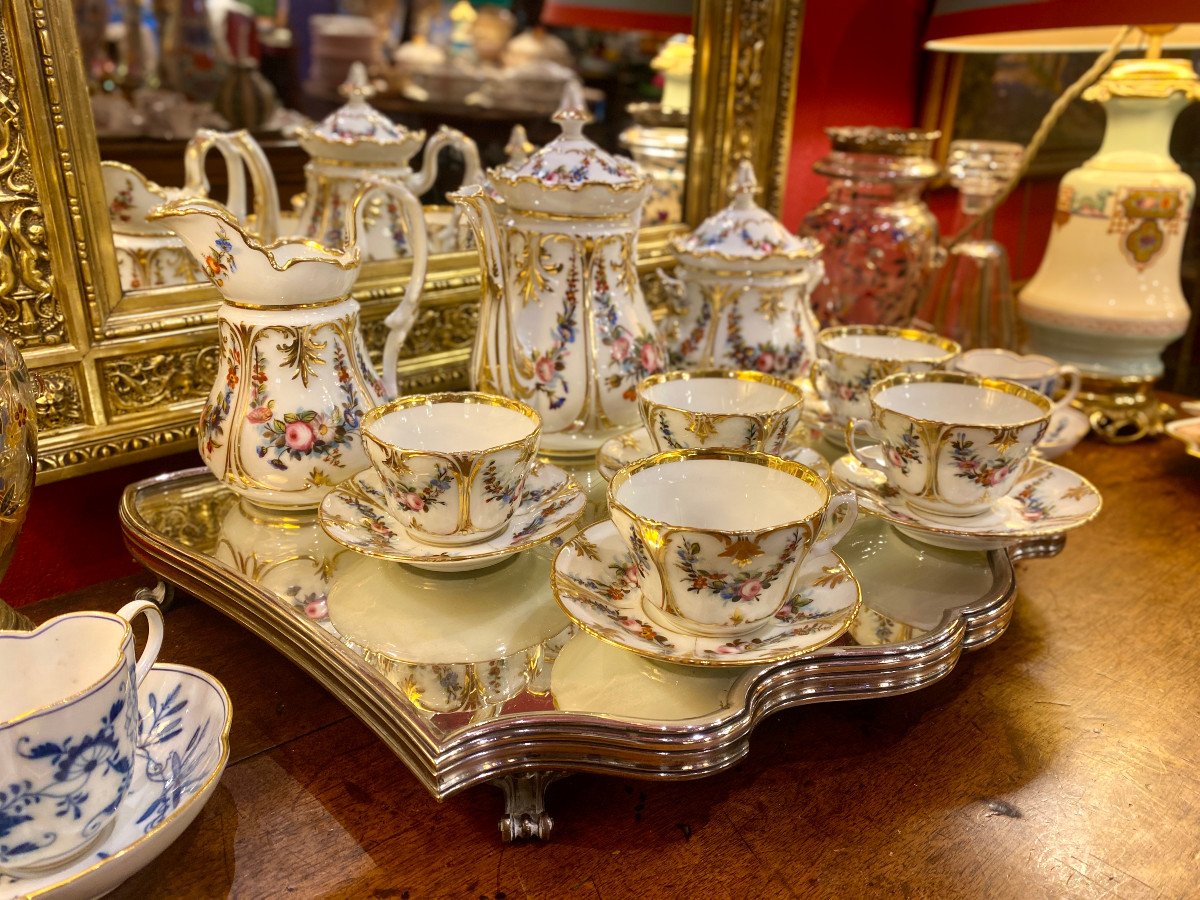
<point>1039,373</point>
<point>713,557</point>
<point>563,323</point>
<point>717,537</point>
<point>952,444</point>
<point>721,409</point>
<point>68,733</point>
<point>741,298</point>
<point>454,484</point>
<point>850,359</point>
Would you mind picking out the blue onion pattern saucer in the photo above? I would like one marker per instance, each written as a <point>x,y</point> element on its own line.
<point>636,444</point>
<point>183,744</point>
<point>355,515</point>
<point>1047,500</point>
<point>591,584</point>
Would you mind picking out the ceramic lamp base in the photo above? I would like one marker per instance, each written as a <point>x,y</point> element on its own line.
<point>1123,410</point>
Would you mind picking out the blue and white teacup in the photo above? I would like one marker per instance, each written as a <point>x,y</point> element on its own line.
<point>68,732</point>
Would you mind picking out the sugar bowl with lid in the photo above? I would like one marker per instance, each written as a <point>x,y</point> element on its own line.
<point>741,299</point>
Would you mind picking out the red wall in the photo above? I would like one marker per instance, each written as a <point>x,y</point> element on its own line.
<point>861,64</point>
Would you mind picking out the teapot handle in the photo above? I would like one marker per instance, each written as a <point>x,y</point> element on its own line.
<point>241,153</point>
<point>401,319</point>
<point>445,137</point>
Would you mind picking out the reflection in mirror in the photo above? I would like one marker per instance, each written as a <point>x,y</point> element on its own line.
<point>336,92</point>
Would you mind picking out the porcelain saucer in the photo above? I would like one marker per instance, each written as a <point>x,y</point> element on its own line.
<point>1048,499</point>
<point>636,444</point>
<point>589,584</point>
<point>182,748</point>
<point>1068,426</point>
<point>355,515</point>
<point>1188,431</point>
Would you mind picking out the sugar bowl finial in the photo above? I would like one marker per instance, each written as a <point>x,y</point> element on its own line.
<point>357,86</point>
<point>572,112</point>
<point>744,185</point>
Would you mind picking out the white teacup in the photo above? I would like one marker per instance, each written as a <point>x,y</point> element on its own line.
<point>719,409</point>
<point>953,444</point>
<point>851,358</point>
<point>453,465</point>
<point>717,537</point>
<point>68,732</point>
<point>1041,373</point>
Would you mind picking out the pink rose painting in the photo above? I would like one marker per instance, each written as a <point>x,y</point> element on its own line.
<point>651,360</point>
<point>300,436</point>
<point>620,349</point>
<point>259,414</point>
<point>413,501</point>
<point>544,369</point>
<point>748,590</point>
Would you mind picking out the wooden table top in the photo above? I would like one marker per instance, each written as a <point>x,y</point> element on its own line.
<point>1060,761</point>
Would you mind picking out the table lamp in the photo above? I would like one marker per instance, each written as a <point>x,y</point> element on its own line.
<point>1107,296</point>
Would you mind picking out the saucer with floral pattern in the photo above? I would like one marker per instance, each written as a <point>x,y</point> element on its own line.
<point>183,744</point>
<point>1047,500</point>
<point>591,584</point>
<point>356,516</point>
<point>636,444</point>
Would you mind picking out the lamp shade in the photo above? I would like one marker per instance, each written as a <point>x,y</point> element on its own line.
<point>1053,26</point>
<point>620,15</point>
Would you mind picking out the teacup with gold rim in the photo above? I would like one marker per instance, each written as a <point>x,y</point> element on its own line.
<point>716,538</point>
<point>719,409</point>
<point>851,358</point>
<point>1041,373</point>
<point>453,465</point>
<point>953,444</point>
<point>68,733</point>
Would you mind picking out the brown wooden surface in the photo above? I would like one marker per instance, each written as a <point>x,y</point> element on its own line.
<point>1061,761</point>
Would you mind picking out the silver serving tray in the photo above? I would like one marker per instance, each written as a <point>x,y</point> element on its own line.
<point>499,690</point>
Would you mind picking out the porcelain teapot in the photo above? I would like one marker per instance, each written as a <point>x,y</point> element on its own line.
<point>356,143</point>
<point>282,422</point>
<point>148,254</point>
<point>563,323</point>
<point>741,300</point>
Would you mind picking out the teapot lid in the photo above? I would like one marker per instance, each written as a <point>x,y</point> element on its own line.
<point>359,133</point>
<point>743,230</point>
<point>571,161</point>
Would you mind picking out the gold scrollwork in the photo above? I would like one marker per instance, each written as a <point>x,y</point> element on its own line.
<point>30,314</point>
<point>438,329</point>
<point>139,382</point>
<point>58,402</point>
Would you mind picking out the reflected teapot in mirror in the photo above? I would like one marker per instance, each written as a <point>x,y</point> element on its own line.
<point>356,143</point>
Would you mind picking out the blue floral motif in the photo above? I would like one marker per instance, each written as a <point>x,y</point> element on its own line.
<point>180,774</point>
<point>79,767</point>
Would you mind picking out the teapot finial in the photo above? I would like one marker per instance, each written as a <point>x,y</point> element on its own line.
<point>572,112</point>
<point>518,147</point>
<point>357,86</point>
<point>744,185</point>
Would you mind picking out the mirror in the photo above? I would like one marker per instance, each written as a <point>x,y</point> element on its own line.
<point>159,72</point>
<point>122,375</point>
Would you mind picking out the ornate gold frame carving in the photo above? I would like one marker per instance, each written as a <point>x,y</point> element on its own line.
<point>122,377</point>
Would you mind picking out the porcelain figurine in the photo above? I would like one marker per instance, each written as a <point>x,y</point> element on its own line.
<point>742,297</point>
<point>357,143</point>
<point>282,423</point>
<point>148,254</point>
<point>563,325</point>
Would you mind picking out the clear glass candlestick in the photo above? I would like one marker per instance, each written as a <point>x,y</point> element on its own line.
<point>970,299</point>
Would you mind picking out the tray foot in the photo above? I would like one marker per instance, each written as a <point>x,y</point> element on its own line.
<point>525,805</point>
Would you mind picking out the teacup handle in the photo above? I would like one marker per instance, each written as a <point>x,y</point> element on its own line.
<point>154,633</point>
<point>1071,375</point>
<point>819,375</point>
<point>846,501</point>
<point>852,429</point>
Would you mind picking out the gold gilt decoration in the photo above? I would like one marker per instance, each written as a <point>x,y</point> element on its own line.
<point>29,312</point>
<point>195,524</point>
<point>58,401</point>
<point>438,329</point>
<point>85,456</point>
<point>302,352</point>
<point>143,381</point>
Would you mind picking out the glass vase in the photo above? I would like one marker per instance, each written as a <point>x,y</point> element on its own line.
<point>881,240</point>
